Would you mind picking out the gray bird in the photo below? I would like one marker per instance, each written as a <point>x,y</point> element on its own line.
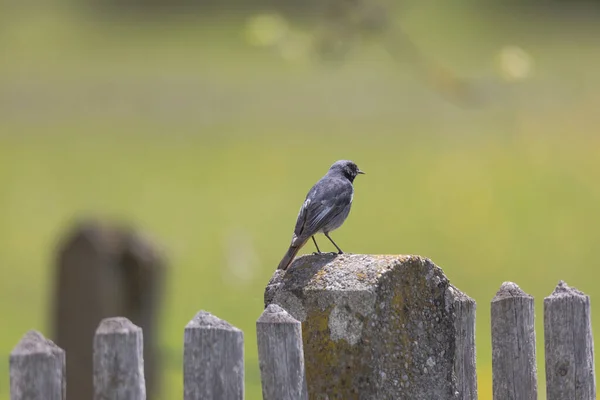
<point>325,208</point>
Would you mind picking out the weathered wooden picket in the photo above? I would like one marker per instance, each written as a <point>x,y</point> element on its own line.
<point>214,355</point>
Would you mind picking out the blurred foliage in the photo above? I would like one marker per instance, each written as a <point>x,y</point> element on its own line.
<point>477,128</point>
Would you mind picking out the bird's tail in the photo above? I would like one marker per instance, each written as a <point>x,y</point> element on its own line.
<point>289,256</point>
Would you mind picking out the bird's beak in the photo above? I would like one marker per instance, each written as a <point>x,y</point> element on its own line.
<point>361,172</point>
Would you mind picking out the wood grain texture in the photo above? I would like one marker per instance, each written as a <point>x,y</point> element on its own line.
<point>513,344</point>
<point>569,345</point>
<point>213,359</point>
<point>119,361</point>
<point>281,356</point>
<point>37,369</point>
<point>465,364</point>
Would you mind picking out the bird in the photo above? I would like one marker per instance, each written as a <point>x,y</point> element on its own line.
<point>325,208</point>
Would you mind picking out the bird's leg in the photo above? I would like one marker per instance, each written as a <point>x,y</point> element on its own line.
<point>336,246</point>
<point>317,246</point>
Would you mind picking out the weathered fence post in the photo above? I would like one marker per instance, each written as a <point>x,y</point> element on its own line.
<point>379,327</point>
<point>281,356</point>
<point>119,361</point>
<point>37,369</point>
<point>513,344</point>
<point>569,345</point>
<point>213,359</point>
<point>113,271</point>
<point>465,360</point>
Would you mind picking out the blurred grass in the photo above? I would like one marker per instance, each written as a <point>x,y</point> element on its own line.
<point>210,145</point>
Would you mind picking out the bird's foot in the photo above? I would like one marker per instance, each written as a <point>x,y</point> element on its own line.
<point>328,253</point>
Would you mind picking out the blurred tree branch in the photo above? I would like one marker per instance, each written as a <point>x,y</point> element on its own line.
<point>344,22</point>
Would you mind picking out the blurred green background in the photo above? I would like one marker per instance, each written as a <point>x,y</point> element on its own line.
<point>205,125</point>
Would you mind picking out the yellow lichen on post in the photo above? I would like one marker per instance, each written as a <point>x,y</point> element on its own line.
<point>377,327</point>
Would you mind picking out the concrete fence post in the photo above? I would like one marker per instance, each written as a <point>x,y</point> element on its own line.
<point>105,270</point>
<point>379,327</point>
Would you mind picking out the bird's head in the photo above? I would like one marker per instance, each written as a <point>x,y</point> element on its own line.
<point>346,168</point>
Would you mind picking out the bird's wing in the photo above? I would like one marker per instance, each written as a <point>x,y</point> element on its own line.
<point>324,201</point>
<point>302,215</point>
